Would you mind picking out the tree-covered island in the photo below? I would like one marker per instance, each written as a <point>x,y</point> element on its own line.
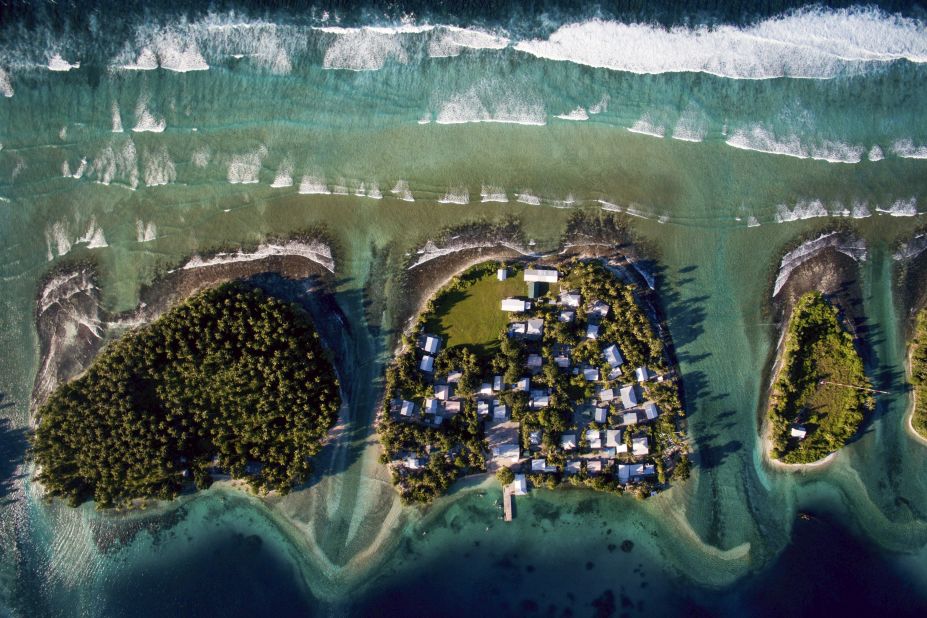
<point>821,394</point>
<point>553,372</point>
<point>919,374</point>
<point>231,380</point>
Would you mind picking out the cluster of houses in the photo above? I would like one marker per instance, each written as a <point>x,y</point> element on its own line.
<point>607,424</point>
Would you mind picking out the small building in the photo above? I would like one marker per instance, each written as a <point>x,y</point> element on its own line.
<point>497,383</point>
<point>486,389</point>
<point>506,453</point>
<point>428,364</point>
<point>594,438</point>
<point>568,441</point>
<point>570,299</point>
<point>594,466</point>
<point>533,289</point>
<point>535,362</point>
<point>453,377</point>
<point>573,467</point>
<point>517,329</point>
<point>413,463</point>
<point>432,344</point>
<point>482,408</point>
<point>599,308</point>
<point>523,385</point>
<point>614,374</point>
<point>650,410</point>
<point>629,418</point>
<point>562,361</point>
<point>591,374</point>
<point>621,449</point>
<point>624,473</point>
<point>601,415</point>
<point>534,439</point>
<point>629,397</point>
<point>442,391</point>
<point>642,374</point>
<point>613,356</point>
<point>502,274</point>
<point>519,485</point>
<point>566,316</point>
<point>452,407</point>
<point>539,465</point>
<point>407,409</point>
<point>640,446</point>
<point>541,275</point>
<point>515,305</point>
<point>640,470</point>
<point>606,395</point>
<point>499,412</point>
<point>797,431</point>
<point>431,406</point>
<point>612,437</point>
<point>535,328</point>
<point>592,331</point>
<point>539,399</point>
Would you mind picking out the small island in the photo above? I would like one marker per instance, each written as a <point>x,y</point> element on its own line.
<point>231,381</point>
<point>543,372</point>
<point>821,394</point>
<point>919,374</point>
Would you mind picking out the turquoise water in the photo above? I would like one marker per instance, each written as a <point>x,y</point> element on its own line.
<point>789,122</point>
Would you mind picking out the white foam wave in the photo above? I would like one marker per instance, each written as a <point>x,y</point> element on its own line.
<point>906,149</point>
<point>200,157</point>
<point>173,49</point>
<point>245,168</point>
<point>901,208</point>
<point>803,209</point>
<point>761,140</point>
<point>752,222</point>
<point>487,103</point>
<point>457,195</point>
<point>691,127</point>
<point>493,194</point>
<point>601,106</point>
<point>284,177</point>
<point>363,49</point>
<point>577,114</point>
<point>57,63</point>
<point>117,118</point>
<point>646,126</point>
<point>860,210</point>
<point>6,86</point>
<point>157,167</point>
<point>853,248</point>
<point>812,43</point>
<point>526,197</point>
<point>93,237</point>
<point>146,60</point>
<point>373,191</point>
<point>402,191</point>
<point>145,121</point>
<point>56,239</point>
<point>312,185</point>
<point>449,41</point>
<point>145,232</point>
<point>113,163</point>
<point>314,251</point>
<point>875,154</point>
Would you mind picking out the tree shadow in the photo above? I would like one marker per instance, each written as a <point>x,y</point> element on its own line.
<point>709,453</point>
<point>14,443</point>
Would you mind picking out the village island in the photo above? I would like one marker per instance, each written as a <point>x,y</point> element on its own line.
<point>545,373</point>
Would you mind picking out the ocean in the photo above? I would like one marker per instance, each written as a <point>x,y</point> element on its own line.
<point>138,135</point>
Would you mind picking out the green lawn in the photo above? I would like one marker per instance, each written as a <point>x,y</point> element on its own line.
<point>473,316</point>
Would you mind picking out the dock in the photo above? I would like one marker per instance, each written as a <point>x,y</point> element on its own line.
<point>507,503</point>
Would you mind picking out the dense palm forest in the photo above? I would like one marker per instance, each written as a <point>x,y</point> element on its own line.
<point>232,380</point>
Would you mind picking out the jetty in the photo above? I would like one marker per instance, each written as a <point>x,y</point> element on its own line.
<point>507,498</point>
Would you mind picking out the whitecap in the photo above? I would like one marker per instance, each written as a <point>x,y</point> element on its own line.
<point>875,153</point>
<point>646,126</point>
<point>457,195</point>
<point>577,114</point>
<point>493,194</point>
<point>313,185</point>
<point>601,106</point>
<point>117,118</point>
<point>93,237</point>
<point>691,127</point>
<point>487,103</point>
<point>145,232</point>
<point>145,121</point>
<point>526,197</point>
<point>752,222</point>
<point>157,167</point>
<point>57,63</point>
<point>803,209</point>
<point>449,41</point>
<point>901,208</point>
<point>6,86</point>
<point>373,192</point>
<point>245,168</point>
<point>56,239</point>
<point>860,210</point>
<point>402,191</point>
<point>363,49</point>
<point>201,157</point>
<point>759,139</point>
<point>284,177</point>
<point>906,149</point>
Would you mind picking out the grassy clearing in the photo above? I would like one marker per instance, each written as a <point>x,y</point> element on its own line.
<point>472,317</point>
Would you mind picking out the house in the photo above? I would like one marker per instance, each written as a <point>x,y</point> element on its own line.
<point>428,364</point>
<point>566,316</point>
<point>413,463</point>
<point>534,362</point>
<point>613,356</point>
<point>432,344</point>
<point>797,431</point>
<point>486,389</point>
<point>594,466</point>
<point>629,397</point>
<point>573,467</point>
<point>499,412</point>
<point>452,407</point>
<point>601,415</point>
<point>431,406</point>
<point>562,361</point>
<point>453,377</point>
<point>534,439</point>
<point>609,452</point>
<point>592,331</point>
<point>629,418</point>
<point>515,305</point>
<point>612,437</point>
<point>539,465</point>
<point>497,384</point>
<point>568,441</point>
<point>650,410</point>
<point>533,289</point>
<point>607,395</point>
<point>594,438</point>
<point>591,374</point>
<point>502,274</point>
<point>442,391</point>
<point>482,408</point>
<point>642,374</point>
<point>519,485</point>
<point>639,446</point>
<point>523,385</point>
<point>541,275</point>
<point>640,470</point>
<point>517,329</point>
<point>407,409</point>
<point>624,473</point>
<point>535,328</point>
<point>614,374</point>
<point>599,308</point>
<point>621,449</point>
<point>570,299</point>
<point>506,453</point>
<point>539,399</point>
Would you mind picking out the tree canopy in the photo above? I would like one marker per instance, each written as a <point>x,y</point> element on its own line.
<point>232,380</point>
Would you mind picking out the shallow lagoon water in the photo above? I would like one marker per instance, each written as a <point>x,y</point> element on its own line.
<point>715,218</point>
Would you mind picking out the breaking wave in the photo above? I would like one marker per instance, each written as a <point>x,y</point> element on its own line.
<point>284,177</point>
<point>312,185</point>
<point>245,168</point>
<point>854,248</point>
<point>646,126</point>
<point>493,194</point>
<point>6,87</point>
<point>458,195</point>
<point>401,190</point>
<point>57,63</point>
<point>906,149</point>
<point>145,120</point>
<point>489,103</point>
<point>158,167</point>
<point>761,140</point>
<point>448,41</point>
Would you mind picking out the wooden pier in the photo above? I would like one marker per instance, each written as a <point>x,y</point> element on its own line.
<point>507,503</point>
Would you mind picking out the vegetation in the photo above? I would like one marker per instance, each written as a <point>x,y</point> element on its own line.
<point>919,373</point>
<point>231,380</point>
<point>505,476</point>
<point>814,389</point>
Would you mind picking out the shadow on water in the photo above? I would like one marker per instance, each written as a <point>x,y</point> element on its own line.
<point>13,445</point>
